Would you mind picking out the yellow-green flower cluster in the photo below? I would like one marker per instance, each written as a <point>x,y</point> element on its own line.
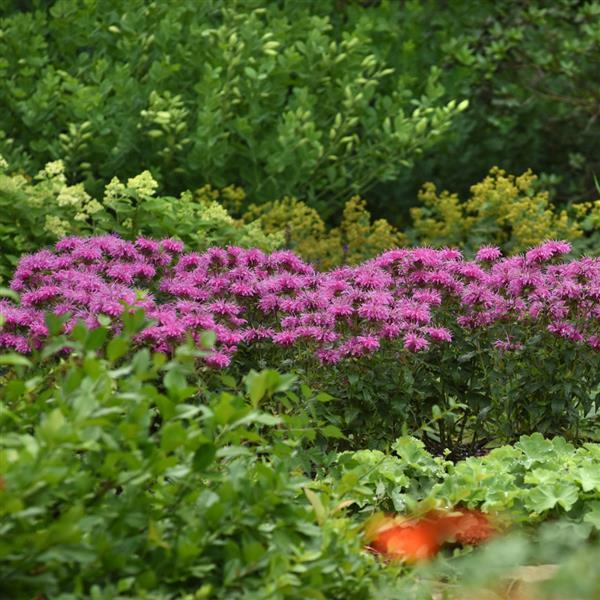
<point>504,210</point>
<point>210,208</point>
<point>357,238</point>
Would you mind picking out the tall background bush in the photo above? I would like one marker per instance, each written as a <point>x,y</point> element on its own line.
<point>317,99</point>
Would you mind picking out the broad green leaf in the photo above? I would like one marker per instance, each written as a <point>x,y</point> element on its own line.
<point>204,456</point>
<point>172,436</point>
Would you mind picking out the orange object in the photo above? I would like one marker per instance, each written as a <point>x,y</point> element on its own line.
<point>468,527</point>
<point>410,540</point>
<point>420,539</point>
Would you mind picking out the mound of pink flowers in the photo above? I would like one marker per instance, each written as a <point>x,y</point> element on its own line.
<point>415,297</point>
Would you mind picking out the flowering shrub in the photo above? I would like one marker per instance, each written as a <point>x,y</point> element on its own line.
<point>357,238</point>
<point>404,302</point>
<point>36,212</point>
<point>247,295</point>
<point>504,210</point>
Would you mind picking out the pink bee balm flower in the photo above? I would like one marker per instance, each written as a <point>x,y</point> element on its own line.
<point>218,359</point>
<point>488,254</point>
<point>415,343</point>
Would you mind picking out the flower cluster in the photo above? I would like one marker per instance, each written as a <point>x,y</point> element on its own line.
<point>505,208</point>
<point>416,297</point>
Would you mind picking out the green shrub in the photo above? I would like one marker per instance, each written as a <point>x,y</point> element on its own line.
<point>275,99</point>
<point>466,394</point>
<point>233,92</point>
<point>528,70</point>
<point>123,476</point>
<point>128,474</point>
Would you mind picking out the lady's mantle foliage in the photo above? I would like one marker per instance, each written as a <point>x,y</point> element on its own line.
<point>415,296</point>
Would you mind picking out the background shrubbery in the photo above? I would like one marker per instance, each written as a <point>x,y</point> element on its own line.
<point>319,99</point>
<point>276,98</point>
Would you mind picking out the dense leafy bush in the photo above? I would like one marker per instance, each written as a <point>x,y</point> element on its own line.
<point>528,70</point>
<point>123,476</point>
<point>272,98</point>
<point>356,239</point>
<point>125,91</point>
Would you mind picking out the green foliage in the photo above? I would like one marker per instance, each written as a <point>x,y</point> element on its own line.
<point>126,477</point>
<point>129,474</point>
<point>536,479</point>
<point>277,98</point>
<point>467,394</point>
<point>35,213</point>
<point>263,97</point>
<point>529,72</point>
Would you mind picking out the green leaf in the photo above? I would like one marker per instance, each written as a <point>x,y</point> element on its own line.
<point>589,477</point>
<point>208,339</point>
<point>546,497</point>
<point>117,347</point>
<point>324,397</point>
<point>14,360</point>
<point>253,551</point>
<point>256,386</point>
<point>592,514</point>
<point>250,72</point>
<point>172,436</point>
<point>55,323</point>
<point>175,380</point>
<point>96,338</point>
<point>204,456</point>
<point>331,431</point>
<point>8,293</point>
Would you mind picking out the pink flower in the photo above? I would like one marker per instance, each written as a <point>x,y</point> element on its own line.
<point>547,251</point>
<point>218,359</point>
<point>286,338</point>
<point>507,345</point>
<point>172,245</point>
<point>488,254</point>
<point>247,296</point>
<point>415,343</point>
<point>439,334</point>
